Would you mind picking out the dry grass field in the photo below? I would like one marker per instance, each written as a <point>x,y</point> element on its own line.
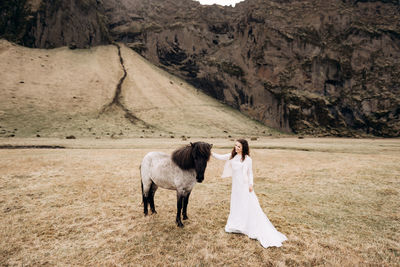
<point>337,201</point>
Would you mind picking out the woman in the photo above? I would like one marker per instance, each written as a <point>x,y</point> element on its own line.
<point>246,215</point>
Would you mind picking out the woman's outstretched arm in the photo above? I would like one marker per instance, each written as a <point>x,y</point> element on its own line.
<point>221,157</point>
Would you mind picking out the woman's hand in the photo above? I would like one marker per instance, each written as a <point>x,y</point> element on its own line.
<point>250,188</point>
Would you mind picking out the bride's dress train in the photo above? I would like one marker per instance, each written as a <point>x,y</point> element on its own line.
<point>253,222</point>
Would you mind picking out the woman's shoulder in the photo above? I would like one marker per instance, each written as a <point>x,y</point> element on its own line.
<point>248,158</point>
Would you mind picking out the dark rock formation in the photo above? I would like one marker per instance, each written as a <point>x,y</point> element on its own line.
<point>55,23</point>
<point>306,66</point>
<point>79,23</point>
<point>15,17</point>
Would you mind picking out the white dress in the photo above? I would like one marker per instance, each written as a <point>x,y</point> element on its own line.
<point>246,215</point>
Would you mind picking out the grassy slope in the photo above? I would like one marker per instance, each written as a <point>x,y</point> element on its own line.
<point>61,92</point>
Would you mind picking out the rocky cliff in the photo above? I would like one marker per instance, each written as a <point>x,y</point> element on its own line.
<point>54,23</point>
<point>308,66</point>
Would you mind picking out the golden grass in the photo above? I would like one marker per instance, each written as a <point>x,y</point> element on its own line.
<point>338,204</point>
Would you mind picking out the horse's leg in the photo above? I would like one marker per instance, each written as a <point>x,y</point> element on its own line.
<point>185,203</point>
<point>179,209</point>
<point>153,189</point>
<point>145,201</point>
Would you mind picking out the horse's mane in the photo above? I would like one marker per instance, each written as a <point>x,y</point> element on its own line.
<point>183,156</point>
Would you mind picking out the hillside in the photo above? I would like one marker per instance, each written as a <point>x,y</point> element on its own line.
<point>85,93</point>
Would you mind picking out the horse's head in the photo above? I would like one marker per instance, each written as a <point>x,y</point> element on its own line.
<point>201,154</point>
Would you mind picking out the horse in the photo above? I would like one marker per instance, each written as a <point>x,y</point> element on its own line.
<point>178,171</point>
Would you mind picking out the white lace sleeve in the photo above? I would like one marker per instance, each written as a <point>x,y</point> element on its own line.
<point>221,157</point>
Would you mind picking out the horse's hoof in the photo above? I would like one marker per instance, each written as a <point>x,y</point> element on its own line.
<point>179,224</point>
<point>154,212</point>
<point>185,217</point>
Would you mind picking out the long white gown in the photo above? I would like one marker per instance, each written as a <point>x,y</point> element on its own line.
<point>246,215</point>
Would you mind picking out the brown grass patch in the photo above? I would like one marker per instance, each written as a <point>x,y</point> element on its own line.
<point>338,204</point>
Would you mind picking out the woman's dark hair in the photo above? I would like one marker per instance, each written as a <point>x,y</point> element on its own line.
<point>245,149</point>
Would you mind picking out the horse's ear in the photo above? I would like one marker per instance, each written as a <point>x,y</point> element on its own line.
<point>211,145</point>
<point>191,144</point>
